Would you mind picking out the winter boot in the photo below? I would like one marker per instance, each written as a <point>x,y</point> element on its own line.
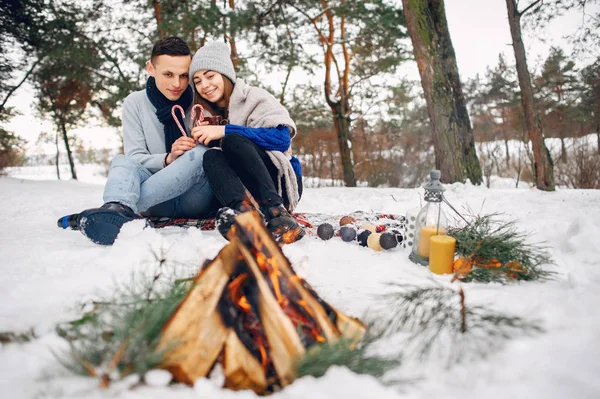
<point>225,218</point>
<point>69,222</point>
<point>102,225</point>
<point>282,226</point>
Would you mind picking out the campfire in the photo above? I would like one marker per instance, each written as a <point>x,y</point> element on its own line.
<point>248,310</point>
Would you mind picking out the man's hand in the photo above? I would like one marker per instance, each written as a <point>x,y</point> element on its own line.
<point>205,134</point>
<point>180,146</point>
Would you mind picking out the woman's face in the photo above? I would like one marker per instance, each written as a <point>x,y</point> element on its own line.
<point>210,86</point>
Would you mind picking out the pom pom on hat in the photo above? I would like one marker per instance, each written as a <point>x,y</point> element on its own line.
<point>213,56</point>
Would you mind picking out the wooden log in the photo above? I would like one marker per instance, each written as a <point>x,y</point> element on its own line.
<point>250,229</point>
<point>195,334</point>
<point>241,369</point>
<point>283,339</point>
<point>351,328</point>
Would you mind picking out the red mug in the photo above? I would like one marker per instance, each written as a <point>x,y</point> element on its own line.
<point>215,120</point>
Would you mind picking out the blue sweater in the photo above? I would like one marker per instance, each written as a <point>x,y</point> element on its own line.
<point>268,138</point>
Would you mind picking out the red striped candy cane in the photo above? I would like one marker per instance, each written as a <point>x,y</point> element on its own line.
<point>178,107</point>
<point>201,114</point>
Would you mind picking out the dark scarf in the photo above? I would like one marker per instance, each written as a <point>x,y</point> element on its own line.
<point>163,110</point>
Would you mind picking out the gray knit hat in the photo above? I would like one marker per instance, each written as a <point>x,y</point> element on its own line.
<point>213,56</point>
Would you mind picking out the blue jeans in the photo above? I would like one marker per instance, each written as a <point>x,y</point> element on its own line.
<point>179,190</point>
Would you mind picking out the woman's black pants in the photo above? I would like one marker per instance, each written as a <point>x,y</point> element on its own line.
<point>241,165</point>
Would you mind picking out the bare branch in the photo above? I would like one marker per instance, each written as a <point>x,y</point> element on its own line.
<point>268,11</point>
<point>529,7</point>
<point>14,88</point>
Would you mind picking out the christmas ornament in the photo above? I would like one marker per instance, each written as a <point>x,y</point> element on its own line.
<point>347,233</point>
<point>325,231</point>
<point>363,236</point>
<point>368,226</point>
<point>399,235</point>
<point>388,240</point>
<point>347,220</point>
<point>373,242</point>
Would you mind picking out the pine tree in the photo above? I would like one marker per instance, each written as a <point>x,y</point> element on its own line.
<point>590,98</point>
<point>356,42</point>
<point>557,85</point>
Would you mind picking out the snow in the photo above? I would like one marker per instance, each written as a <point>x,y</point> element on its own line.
<point>47,273</point>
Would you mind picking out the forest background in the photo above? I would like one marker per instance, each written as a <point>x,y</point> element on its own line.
<point>338,66</point>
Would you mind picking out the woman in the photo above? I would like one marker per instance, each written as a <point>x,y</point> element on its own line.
<point>254,145</point>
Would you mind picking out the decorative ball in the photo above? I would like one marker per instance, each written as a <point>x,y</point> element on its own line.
<point>325,231</point>
<point>388,240</point>
<point>347,233</point>
<point>347,220</point>
<point>398,234</point>
<point>373,242</point>
<point>369,227</point>
<point>362,237</point>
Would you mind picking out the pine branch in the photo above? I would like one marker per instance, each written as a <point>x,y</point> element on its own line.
<point>356,357</point>
<point>498,252</point>
<point>7,337</point>
<point>438,320</point>
<point>120,337</point>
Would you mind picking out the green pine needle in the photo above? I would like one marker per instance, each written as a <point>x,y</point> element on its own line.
<point>488,240</point>
<point>120,337</point>
<point>343,352</point>
<point>437,319</point>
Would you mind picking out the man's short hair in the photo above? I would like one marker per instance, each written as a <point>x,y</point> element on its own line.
<point>170,45</point>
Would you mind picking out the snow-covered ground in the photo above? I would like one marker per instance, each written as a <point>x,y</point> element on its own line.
<point>46,272</point>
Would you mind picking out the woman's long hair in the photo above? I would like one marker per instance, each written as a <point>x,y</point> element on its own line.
<point>213,108</point>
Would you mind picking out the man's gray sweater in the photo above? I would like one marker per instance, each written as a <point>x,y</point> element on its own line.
<point>143,134</point>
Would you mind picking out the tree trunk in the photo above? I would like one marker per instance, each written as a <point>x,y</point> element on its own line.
<point>341,123</point>
<point>542,164</point>
<point>561,134</point>
<point>505,137</point>
<point>563,149</point>
<point>598,119</point>
<point>158,18</point>
<point>57,157</point>
<point>69,154</point>
<point>453,141</point>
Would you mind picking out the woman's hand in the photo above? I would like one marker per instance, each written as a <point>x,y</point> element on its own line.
<point>180,146</point>
<point>206,134</point>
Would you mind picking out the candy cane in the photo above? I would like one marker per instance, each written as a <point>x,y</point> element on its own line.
<point>178,107</point>
<point>201,115</point>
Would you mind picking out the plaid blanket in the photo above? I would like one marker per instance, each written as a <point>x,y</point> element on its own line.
<point>310,221</point>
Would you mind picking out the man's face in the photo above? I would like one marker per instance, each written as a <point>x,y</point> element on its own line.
<point>171,74</point>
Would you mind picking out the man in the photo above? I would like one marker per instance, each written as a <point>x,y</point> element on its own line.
<point>161,173</point>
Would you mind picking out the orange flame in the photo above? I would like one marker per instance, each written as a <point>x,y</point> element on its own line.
<point>269,266</point>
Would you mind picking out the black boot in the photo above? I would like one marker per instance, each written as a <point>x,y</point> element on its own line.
<point>69,222</point>
<point>225,218</point>
<point>102,225</point>
<point>283,227</point>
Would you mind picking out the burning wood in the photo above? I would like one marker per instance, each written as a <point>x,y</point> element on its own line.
<point>249,309</point>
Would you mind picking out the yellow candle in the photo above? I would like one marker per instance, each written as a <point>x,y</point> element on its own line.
<point>424,234</point>
<point>441,254</point>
